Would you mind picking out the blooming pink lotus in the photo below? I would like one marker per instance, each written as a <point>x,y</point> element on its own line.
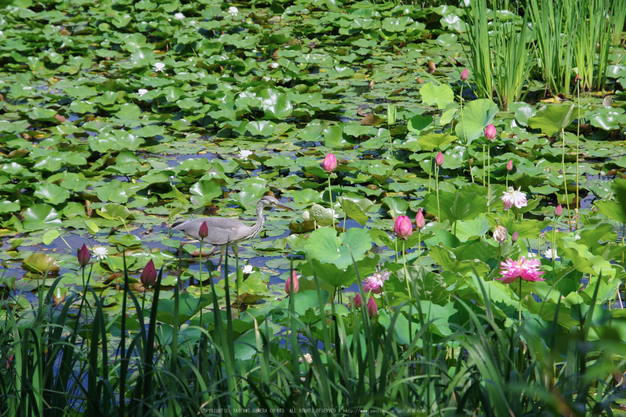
<point>515,198</point>
<point>375,282</point>
<point>403,227</point>
<point>526,269</point>
<point>330,163</point>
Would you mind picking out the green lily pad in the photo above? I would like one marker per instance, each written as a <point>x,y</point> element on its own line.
<point>325,246</point>
<point>477,115</point>
<point>552,119</point>
<point>41,263</point>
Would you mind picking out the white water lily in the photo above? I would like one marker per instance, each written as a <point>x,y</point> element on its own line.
<point>247,269</point>
<point>179,16</point>
<point>159,66</point>
<point>100,252</point>
<point>141,92</point>
<point>551,254</point>
<point>233,10</point>
<point>244,153</point>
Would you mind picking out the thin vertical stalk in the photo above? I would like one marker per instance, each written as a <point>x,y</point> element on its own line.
<point>569,215</point>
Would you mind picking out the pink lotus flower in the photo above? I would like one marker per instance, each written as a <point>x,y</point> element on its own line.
<point>372,308</point>
<point>84,256</point>
<point>420,222</point>
<point>464,75</point>
<point>149,275</point>
<point>515,198</point>
<point>375,282</point>
<point>491,132</point>
<point>203,231</point>
<point>558,211</point>
<point>330,163</point>
<point>526,269</point>
<point>509,165</point>
<point>439,159</point>
<point>293,280</point>
<point>403,227</point>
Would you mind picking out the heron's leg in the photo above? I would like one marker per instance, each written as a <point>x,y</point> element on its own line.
<point>236,250</point>
<point>219,264</point>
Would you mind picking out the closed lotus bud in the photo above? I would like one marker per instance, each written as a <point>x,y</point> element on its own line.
<point>403,227</point>
<point>490,132</point>
<point>292,282</point>
<point>149,275</point>
<point>515,237</point>
<point>509,165</point>
<point>464,75</point>
<point>83,256</point>
<point>330,163</point>
<point>558,211</point>
<point>420,222</point>
<point>372,308</point>
<point>357,300</point>
<point>203,231</point>
<point>500,234</point>
<point>439,159</point>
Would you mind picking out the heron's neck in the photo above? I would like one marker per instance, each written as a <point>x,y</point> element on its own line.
<point>260,219</point>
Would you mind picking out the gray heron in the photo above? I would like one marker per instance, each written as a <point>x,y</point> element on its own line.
<point>223,230</point>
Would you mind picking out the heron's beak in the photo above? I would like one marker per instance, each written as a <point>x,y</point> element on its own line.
<point>284,207</point>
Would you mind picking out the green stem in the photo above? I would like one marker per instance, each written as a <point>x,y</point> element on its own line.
<point>520,301</point>
<point>419,248</point>
<point>488,177</point>
<point>406,271</point>
<point>330,196</point>
<point>577,137</point>
<point>469,164</point>
<point>569,215</point>
<point>437,188</point>
<point>200,275</point>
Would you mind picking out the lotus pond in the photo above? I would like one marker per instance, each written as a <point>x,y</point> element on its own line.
<point>457,175</point>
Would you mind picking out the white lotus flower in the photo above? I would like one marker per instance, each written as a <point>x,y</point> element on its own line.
<point>159,66</point>
<point>141,92</point>
<point>100,252</point>
<point>515,198</point>
<point>273,65</point>
<point>244,154</point>
<point>233,10</point>
<point>179,16</point>
<point>247,269</point>
<point>551,254</point>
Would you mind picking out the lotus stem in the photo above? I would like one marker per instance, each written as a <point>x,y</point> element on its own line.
<point>569,215</point>
<point>200,275</point>
<point>419,248</point>
<point>406,271</point>
<point>520,301</point>
<point>437,191</point>
<point>577,149</point>
<point>330,197</point>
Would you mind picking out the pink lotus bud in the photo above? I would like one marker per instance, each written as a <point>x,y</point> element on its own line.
<point>464,75</point>
<point>515,237</point>
<point>403,227</point>
<point>292,281</point>
<point>149,274</point>
<point>357,300</point>
<point>203,231</point>
<point>330,163</point>
<point>509,165</point>
<point>558,211</point>
<point>490,132</point>
<point>372,308</point>
<point>419,219</point>
<point>83,256</point>
<point>439,159</point>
